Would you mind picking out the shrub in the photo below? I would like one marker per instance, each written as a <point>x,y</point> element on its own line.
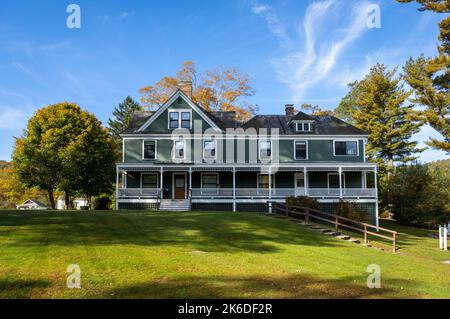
<point>350,210</point>
<point>303,201</point>
<point>102,202</point>
<point>419,195</point>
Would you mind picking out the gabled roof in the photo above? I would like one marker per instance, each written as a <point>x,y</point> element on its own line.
<point>137,120</point>
<point>33,201</point>
<point>300,116</point>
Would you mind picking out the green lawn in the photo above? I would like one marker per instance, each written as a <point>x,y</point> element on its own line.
<point>204,255</point>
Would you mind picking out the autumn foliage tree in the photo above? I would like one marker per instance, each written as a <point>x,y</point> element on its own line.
<point>65,148</point>
<point>219,89</point>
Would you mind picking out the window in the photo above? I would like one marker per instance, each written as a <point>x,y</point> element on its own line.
<point>209,150</point>
<point>173,119</point>
<point>149,180</point>
<point>263,181</point>
<point>179,119</point>
<point>300,150</point>
<point>345,148</point>
<point>185,119</point>
<point>299,180</point>
<point>333,180</point>
<point>210,183</point>
<point>149,150</point>
<point>303,126</point>
<point>265,150</point>
<point>179,151</point>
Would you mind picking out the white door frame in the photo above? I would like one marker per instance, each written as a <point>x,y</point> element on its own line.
<point>299,191</point>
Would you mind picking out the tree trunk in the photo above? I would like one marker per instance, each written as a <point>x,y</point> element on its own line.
<point>51,198</point>
<point>390,168</point>
<point>68,206</point>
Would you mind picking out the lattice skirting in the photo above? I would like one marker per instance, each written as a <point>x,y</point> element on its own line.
<point>151,206</point>
<point>212,206</point>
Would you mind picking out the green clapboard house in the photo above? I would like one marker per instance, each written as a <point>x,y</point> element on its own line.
<point>183,157</point>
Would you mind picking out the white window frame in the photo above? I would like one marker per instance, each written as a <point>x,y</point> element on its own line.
<point>297,123</point>
<point>143,149</point>
<point>215,150</point>
<point>352,140</point>
<point>174,150</point>
<point>179,111</point>
<point>272,180</point>
<point>201,183</point>
<point>307,150</point>
<point>157,179</point>
<point>259,150</point>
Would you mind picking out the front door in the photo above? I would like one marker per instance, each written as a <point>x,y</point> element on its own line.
<point>179,186</point>
<point>299,184</point>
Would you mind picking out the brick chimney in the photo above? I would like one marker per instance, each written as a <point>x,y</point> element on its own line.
<point>289,109</point>
<point>186,87</point>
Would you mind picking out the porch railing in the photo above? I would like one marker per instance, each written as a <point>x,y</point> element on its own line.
<point>139,192</point>
<point>281,192</point>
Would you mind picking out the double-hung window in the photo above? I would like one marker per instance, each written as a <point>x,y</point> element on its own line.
<point>210,183</point>
<point>179,119</point>
<point>265,150</point>
<point>149,149</point>
<point>179,152</point>
<point>149,181</point>
<point>346,148</point>
<point>209,150</point>
<point>300,150</point>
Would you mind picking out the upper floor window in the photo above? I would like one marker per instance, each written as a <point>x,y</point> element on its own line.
<point>300,150</point>
<point>179,150</point>
<point>179,119</point>
<point>303,126</point>
<point>149,150</point>
<point>265,150</point>
<point>209,150</point>
<point>345,148</point>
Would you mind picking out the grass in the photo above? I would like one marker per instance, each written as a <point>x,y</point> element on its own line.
<point>205,255</point>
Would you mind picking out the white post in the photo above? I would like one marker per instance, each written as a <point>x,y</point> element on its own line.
<point>190,182</point>
<point>234,189</point>
<point>117,188</point>
<point>441,241</point>
<point>445,237</point>
<point>161,187</point>
<point>270,189</point>
<point>305,181</point>
<point>340,182</point>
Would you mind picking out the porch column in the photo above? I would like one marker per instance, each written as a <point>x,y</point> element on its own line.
<point>305,181</point>
<point>234,189</point>
<point>190,182</point>
<point>117,188</point>
<point>340,182</point>
<point>375,171</point>
<point>161,181</point>
<point>270,188</point>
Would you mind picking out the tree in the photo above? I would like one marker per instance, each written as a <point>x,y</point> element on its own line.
<point>65,148</point>
<point>219,89</point>
<point>381,111</point>
<point>315,110</point>
<point>348,104</point>
<point>122,117</point>
<point>430,78</point>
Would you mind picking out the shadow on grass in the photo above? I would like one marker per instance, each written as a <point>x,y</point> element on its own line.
<point>20,288</point>
<point>206,231</point>
<point>294,286</point>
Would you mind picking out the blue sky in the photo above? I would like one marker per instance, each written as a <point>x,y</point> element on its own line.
<point>294,51</point>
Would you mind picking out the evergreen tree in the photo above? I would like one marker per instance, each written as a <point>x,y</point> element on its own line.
<point>347,104</point>
<point>380,110</point>
<point>430,78</point>
<point>122,117</point>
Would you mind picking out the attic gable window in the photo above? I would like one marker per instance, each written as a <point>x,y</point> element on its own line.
<point>180,119</point>
<point>303,126</point>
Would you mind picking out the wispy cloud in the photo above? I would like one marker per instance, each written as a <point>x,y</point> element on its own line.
<point>322,44</point>
<point>125,15</point>
<point>273,23</point>
<point>12,118</point>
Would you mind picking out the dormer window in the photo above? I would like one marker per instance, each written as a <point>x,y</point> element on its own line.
<point>303,126</point>
<point>180,119</point>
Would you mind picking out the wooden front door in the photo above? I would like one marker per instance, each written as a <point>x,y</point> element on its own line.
<point>179,186</point>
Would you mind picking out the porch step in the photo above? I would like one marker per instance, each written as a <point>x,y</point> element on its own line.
<point>175,205</point>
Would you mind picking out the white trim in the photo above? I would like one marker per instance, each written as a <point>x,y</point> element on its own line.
<point>259,149</point>
<point>137,200</point>
<point>209,173</point>
<point>215,150</point>
<point>231,165</point>
<point>178,93</point>
<point>280,200</point>
<point>333,173</point>
<point>150,173</point>
<point>179,111</point>
<point>173,183</point>
<point>302,123</point>
<point>346,140</point>
<point>246,136</point>
<point>174,150</point>
<point>143,149</point>
<point>295,152</point>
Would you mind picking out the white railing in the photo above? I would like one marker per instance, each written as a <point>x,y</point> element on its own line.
<point>139,192</point>
<point>281,192</point>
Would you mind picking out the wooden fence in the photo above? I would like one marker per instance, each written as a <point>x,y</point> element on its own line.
<point>338,221</point>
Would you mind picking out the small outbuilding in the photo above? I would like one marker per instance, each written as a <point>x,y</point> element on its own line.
<point>32,204</point>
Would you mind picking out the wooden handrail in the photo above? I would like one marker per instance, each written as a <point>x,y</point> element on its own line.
<point>336,221</point>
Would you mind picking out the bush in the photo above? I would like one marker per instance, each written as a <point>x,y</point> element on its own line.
<point>303,201</point>
<point>102,202</point>
<point>420,196</point>
<point>351,210</point>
